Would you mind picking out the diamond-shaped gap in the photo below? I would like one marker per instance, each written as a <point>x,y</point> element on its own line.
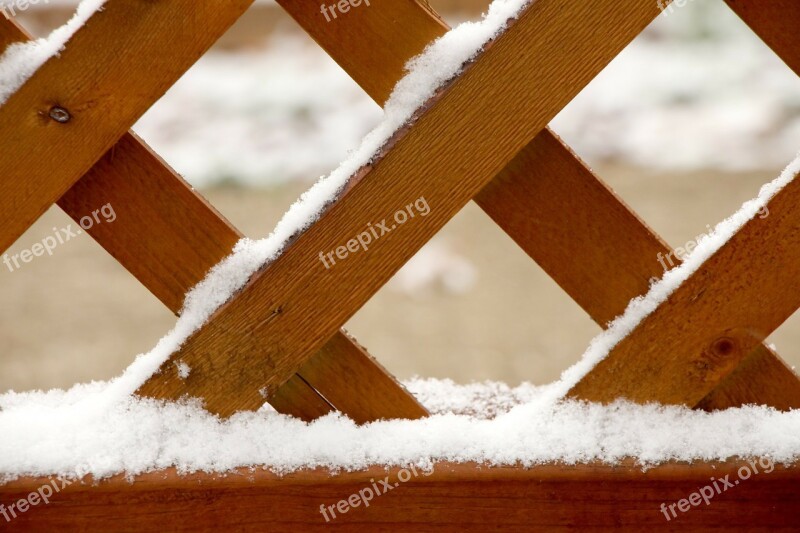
<point>473,306</point>
<point>260,110</point>
<point>73,316</point>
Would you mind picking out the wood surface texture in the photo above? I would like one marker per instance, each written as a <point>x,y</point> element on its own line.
<point>453,497</point>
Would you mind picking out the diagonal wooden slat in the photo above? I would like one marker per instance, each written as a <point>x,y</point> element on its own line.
<point>709,324</point>
<point>184,238</point>
<point>547,200</point>
<point>105,79</point>
<point>373,44</point>
<point>776,22</point>
<point>462,140</point>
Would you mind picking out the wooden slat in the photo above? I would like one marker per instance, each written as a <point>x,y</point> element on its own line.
<point>372,43</point>
<point>184,238</point>
<point>547,200</point>
<point>10,33</point>
<point>696,338</point>
<point>776,22</point>
<point>454,497</point>
<point>112,70</point>
<point>465,138</point>
<point>575,227</point>
<point>762,378</point>
<point>165,234</point>
<point>557,210</point>
<point>369,391</point>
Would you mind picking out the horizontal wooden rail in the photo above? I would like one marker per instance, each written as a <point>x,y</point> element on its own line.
<point>453,497</point>
<point>460,143</point>
<point>169,237</point>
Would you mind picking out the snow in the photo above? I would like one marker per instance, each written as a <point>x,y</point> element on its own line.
<point>45,434</point>
<point>183,369</point>
<point>20,60</point>
<point>99,428</point>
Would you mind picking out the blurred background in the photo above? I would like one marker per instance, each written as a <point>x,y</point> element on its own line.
<point>685,125</point>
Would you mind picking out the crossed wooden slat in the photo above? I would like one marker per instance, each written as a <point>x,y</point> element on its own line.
<point>549,202</point>
<point>472,140</point>
<point>354,48</point>
<point>169,237</point>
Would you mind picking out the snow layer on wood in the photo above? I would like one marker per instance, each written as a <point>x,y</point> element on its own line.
<point>19,61</point>
<point>639,308</point>
<point>52,433</point>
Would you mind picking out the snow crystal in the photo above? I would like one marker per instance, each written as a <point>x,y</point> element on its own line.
<point>20,60</point>
<point>183,369</point>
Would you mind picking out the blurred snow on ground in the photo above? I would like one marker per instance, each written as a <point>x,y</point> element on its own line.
<point>260,117</point>
<point>697,91</point>
<point>435,267</point>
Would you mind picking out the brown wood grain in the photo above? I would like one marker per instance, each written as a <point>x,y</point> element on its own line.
<point>695,339</point>
<point>368,389</point>
<point>106,79</point>
<point>546,199</point>
<point>10,33</point>
<point>454,497</point>
<point>372,43</point>
<point>169,237</point>
<point>776,22</point>
<point>463,139</point>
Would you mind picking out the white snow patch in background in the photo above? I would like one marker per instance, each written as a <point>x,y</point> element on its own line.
<point>260,116</point>
<point>658,105</point>
<point>723,103</point>
<point>20,60</point>
<point>434,267</point>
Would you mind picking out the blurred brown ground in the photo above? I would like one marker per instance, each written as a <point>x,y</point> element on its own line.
<point>79,316</point>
